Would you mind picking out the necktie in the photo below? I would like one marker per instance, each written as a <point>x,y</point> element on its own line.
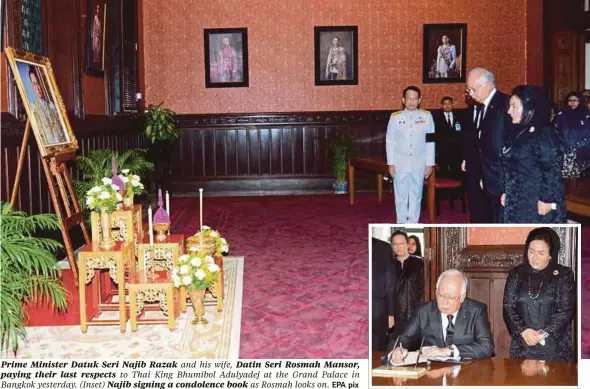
<point>448,115</point>
<point>478,114</point>
<point>450,331</point>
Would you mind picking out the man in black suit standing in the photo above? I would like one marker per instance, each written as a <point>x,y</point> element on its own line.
<point>452,325</point>
<point>383,292</point>
<point>447,135</point>
<point>484,142</point>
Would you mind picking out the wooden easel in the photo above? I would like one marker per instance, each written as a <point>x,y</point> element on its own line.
<point>58,178</point>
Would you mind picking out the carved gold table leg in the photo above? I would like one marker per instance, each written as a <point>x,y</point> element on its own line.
<point>170,303</point>
<point>133,309</point>
<point>82,294</point>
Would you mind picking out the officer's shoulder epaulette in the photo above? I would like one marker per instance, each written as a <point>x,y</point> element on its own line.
<point>423,110</point>
<point>396,113</point>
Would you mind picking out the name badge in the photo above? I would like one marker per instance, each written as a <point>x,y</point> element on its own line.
<point>457,126</point>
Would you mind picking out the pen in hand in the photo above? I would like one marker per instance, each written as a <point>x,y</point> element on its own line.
<point>392,351</point>
<point>419,352</point>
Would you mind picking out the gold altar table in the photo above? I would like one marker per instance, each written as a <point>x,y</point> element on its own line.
<point>145,289</point>
<point>92,258</point>
<point>126,225</point>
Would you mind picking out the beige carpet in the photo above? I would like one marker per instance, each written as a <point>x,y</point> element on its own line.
<point>219,339</point>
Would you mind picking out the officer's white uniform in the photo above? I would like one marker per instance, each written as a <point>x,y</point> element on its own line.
<point>410,150</point>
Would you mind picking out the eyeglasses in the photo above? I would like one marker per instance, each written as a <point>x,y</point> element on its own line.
<point>447,298</point>
<point>573,101</point>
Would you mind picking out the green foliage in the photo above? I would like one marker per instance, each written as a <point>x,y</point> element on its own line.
<point>98,164</point>
<point>342,146</point>
<point>160,124</point>
<point>28,271</point>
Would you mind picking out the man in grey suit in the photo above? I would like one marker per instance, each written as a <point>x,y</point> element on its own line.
<point>453,325</point>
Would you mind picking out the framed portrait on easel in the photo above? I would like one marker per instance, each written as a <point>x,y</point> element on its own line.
<point>43,103</point>
<point>48,120</point>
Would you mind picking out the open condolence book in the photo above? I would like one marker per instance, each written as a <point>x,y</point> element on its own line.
<point>403,369</point>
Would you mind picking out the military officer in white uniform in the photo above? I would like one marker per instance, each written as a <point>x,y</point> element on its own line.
<point>410,154</point>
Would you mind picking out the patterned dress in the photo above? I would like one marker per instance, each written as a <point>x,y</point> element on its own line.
<point>532,161</point>
<point>549,305</point>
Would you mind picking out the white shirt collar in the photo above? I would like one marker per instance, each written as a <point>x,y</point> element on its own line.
<point>445,319</point>
<point>486,102</point>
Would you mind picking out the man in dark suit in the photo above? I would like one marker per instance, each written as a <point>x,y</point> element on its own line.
<point>490,117</point>
<point>448,137</point>
<point>452,325</point>
<point>383,289</point>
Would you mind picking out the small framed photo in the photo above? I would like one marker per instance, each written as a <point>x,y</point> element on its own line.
<point>95,37</point>
<point>336,55</point>
<point>43,103</point>
<point>226,57</point>
<point>445,53</point>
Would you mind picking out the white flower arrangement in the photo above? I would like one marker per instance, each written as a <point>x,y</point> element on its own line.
<point>221,245</point>
<point>103,196</point>
<point>197,271</point>
<point>133,185</point>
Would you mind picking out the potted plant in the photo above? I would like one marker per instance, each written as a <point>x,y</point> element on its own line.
<point>98,164</point>
<point>342,146</point>
<point>104,198</point>
<point>160,130</point>
<point>196,273</point>
<point>28,271</point>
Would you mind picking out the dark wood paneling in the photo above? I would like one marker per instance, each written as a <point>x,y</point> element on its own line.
<point>269,152</point>
<point>121,133</point>
<point>487,287</point>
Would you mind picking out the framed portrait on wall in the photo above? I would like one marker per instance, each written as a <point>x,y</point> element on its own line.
<point>336,55</point>
<point>226,57</point>
<point>45,109</point>
<point>445,53</point>
<point>95,37</point>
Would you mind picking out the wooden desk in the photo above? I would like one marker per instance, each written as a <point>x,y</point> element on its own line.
<point>378,166</point>
<point>487,372</point>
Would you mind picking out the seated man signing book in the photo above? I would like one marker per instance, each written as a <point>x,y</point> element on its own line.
<point>453,326</point>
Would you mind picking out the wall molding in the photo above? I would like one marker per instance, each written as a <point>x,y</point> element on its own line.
<point>283,118</point>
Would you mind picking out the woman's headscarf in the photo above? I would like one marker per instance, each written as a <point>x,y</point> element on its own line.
<point>536,109</point>
<point>573,119</point>
<point>579,96</point>
<point>537,276</point>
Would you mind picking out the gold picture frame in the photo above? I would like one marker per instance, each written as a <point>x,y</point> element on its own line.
<point>43,102</point>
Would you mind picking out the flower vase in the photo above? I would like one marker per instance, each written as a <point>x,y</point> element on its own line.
<point>120,204</point>
<point>107,240</point>
<point>128,201</point>
<point>198,300</point>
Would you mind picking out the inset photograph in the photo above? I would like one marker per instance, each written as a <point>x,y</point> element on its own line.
<point>474,305</point>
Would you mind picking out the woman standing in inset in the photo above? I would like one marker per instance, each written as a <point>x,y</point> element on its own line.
<point>540,301</point>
